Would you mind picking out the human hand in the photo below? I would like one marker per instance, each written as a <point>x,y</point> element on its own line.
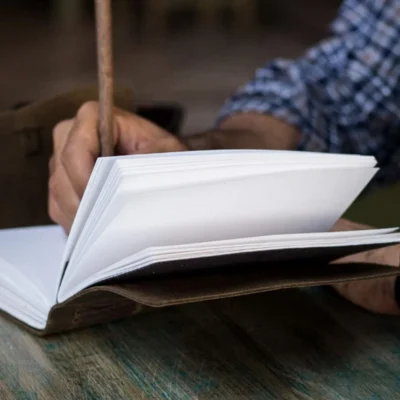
<point>376,295</point>
<point>76,147</point>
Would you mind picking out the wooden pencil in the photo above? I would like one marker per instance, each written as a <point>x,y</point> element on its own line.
<point>105,76</point>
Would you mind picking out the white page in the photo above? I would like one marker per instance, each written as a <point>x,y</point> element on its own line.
<point>286,202</point>
<point>21,309</point>
<point>244,156</point>
<point>36,253</point>
<point>104,165</point>
<point>329,238</point>
<point>98,180</point>
<point>159,176</point>
<point>149,258</point>
<point>14,281</point>
<point>104,209</point>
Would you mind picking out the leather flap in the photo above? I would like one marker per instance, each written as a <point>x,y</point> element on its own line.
<point>128,296</point>
<point>180,289</point>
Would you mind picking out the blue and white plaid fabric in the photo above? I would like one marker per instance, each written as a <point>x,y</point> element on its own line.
<point>343,95</point>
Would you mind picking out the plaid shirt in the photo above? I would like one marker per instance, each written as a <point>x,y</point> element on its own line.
<point>343,95</point>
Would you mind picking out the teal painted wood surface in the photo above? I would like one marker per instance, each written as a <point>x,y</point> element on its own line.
<point>286,345</point>
<point>293,344</point>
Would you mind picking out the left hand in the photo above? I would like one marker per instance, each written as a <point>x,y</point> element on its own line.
<point>375,295</point>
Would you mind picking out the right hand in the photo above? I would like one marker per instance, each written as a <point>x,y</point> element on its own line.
<point>76,147</point>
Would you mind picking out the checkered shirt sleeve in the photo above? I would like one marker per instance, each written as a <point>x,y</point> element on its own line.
<point>343,95</point>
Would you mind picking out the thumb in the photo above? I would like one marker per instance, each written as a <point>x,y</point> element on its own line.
<point>136,135</point>
<point>165,144</point>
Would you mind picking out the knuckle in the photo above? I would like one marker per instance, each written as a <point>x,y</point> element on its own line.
<point>53,186</point>
<point>51,165</point>
<point>89,107</point>
<point>60,128</point>
<point>66,155</point>
<point>52,210</point>
<point>52,207</point>
<point>60,134</point>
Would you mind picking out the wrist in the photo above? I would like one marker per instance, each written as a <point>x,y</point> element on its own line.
<point>246,131</point>
<point>201,141</point>
<point>266,131</point>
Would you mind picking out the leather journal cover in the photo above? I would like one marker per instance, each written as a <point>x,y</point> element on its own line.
<point>126,296</point>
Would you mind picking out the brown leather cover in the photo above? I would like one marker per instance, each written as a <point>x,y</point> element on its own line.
<point>104,303</point>
<point>128,295</point>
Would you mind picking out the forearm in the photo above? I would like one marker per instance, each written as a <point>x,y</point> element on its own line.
<point>246,131</point>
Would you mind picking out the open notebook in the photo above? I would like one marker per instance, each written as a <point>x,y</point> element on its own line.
<point>170,228</point>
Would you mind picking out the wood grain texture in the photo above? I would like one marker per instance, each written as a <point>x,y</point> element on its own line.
<point>284,345</point>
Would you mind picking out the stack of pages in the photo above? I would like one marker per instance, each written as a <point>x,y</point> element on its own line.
<point>145,217</point>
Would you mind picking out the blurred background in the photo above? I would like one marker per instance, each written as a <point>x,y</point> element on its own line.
<point>195,52</point>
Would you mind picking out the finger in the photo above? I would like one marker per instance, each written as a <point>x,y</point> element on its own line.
<point>81,148</point>
<point>160,145</point>
<point>376,295</point>
<point>135,134</point>
<point>62,193</point>
<point>57,216</point>
<point>128,132</point>
<point>60,134</point>
<point>52,163</point>
<point>53,208</point>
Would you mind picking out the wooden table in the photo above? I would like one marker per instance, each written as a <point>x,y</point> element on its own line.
<point>294,344</point>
